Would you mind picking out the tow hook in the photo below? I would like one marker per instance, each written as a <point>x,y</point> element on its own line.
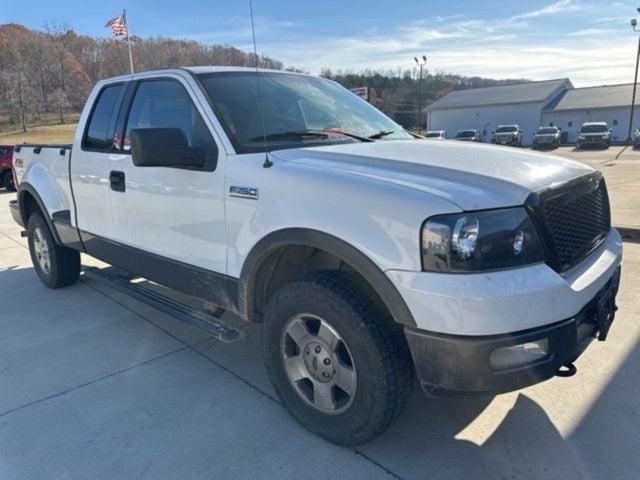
<point>567,370</point>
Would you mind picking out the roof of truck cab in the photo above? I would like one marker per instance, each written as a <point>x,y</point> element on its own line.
<point>197,70</point>
<point>213,69</point>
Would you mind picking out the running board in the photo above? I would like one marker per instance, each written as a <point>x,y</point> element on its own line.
<point>206,322</point>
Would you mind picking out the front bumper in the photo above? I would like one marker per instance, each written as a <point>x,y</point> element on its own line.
<point>459,366</point>
<point>593,142</point>
<point>505,140</point>
<point>546,142</point>
<point>14,207</point>
<point>505,301</point>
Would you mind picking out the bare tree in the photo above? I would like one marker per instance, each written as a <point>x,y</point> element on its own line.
<point>61,35</point>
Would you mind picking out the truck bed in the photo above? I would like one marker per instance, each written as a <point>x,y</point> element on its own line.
<point>45,167</point>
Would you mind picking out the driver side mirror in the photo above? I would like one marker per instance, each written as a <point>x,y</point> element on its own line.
<point>164,147</point>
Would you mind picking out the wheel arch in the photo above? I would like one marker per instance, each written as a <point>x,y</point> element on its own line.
<point>29,201</point>
<point>265,255</point>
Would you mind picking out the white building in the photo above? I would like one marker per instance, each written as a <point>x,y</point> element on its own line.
<point>485,108</point>
<point>532,104</point>
<point>609,103</point>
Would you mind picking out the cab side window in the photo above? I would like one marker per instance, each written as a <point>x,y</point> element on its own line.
<point>166,103</point>
<point>99,133</point>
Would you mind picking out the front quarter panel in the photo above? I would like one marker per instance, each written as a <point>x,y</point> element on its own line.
<point>380,219</point>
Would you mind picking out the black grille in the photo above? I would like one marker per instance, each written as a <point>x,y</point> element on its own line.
<point>575,219</point>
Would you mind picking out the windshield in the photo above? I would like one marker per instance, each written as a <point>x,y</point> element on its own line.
<point>547,131</point>
<point>433,134</point>
<point>506,129</point>
<point>594,129</point>
<point>299,111</point>
<point>466,134</point>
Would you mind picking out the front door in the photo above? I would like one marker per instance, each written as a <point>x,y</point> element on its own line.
<point>172,218</point>
<point>90,163</point>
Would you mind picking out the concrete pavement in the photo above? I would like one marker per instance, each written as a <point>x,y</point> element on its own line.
<point>94,384</point>
<point>621,169</point>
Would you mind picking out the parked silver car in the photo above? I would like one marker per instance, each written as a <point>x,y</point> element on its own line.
<point>546,137</point>
<point>436,135</point>
<point>469,136</point>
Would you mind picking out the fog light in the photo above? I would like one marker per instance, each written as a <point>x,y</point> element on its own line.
<point>518,355</point>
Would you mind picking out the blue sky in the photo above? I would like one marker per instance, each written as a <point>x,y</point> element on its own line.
<point>590,42</point>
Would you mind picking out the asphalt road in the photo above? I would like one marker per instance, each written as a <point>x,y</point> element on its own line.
<point>94,384</point>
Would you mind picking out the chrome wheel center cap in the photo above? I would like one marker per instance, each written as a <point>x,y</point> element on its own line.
<point>319,362</point>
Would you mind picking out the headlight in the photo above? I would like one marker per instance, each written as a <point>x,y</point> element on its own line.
<point>480,241</point>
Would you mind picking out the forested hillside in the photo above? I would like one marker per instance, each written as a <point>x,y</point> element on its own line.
<point>396,92</point>
<point>45,75</point>
<point>48,73</point>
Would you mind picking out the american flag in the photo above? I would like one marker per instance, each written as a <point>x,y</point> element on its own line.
<point>118,26</point>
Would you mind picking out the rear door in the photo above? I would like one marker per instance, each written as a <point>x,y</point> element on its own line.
<point>90,162</point>
<point>170,213</point>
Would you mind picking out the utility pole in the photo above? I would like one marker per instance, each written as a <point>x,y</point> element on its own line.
<point>421,63</point>
<point>126,22</point>
<point>634,24</point>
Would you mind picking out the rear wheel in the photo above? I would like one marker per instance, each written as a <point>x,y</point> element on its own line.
<point>337,360</point>
<point>55,265</point>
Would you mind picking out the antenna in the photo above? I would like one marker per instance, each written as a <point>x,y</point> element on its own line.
<point>267,162</point>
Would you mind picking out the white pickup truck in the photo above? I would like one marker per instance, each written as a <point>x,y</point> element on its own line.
<point>367,253</point>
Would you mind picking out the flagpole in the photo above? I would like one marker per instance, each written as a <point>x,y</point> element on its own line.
<point>126,22</point>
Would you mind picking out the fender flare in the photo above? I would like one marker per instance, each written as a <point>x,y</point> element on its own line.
<point>360,262</point>
<point>24,188</point>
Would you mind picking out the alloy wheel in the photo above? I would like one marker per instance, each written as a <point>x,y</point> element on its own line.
<point>318,363</point>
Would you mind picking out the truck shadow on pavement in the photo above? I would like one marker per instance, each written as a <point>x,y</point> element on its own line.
<point>431,438</point>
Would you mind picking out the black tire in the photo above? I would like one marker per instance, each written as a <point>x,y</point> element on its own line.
<point>64,263</point>
<point>375,342</point>
<point>7,181</point>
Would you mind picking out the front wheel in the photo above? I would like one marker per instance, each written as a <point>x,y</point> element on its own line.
<point>55,265</point>
<point>337,360</point>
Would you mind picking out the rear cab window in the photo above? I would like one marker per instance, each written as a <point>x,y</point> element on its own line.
<point>101,124</point>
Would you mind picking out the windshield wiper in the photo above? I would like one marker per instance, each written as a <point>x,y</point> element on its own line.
<point>310,133</point>
<point>352,135</point>
<point>298,133</point>
<point>381,133</point>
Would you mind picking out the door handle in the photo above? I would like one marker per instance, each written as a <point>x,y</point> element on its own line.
<point>116,180</point>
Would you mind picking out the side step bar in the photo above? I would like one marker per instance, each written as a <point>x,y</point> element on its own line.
<point>204,321</point>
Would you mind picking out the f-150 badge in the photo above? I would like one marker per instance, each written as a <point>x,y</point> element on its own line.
<point>243,192</point>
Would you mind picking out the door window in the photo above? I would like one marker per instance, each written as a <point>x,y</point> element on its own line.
<point>99,133</point>
<point>166,103</point>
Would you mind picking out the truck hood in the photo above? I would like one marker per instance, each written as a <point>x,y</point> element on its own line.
<point>470,175</point>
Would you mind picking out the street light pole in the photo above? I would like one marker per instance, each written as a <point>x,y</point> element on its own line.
<point>421,63</point>
<point>634,24</point>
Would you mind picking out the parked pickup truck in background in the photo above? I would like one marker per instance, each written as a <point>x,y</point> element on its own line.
<point>367,254</point>
<point>507,135</point>
<point>6,173</point>
<point>546,137</point>
<point>594,134</point>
